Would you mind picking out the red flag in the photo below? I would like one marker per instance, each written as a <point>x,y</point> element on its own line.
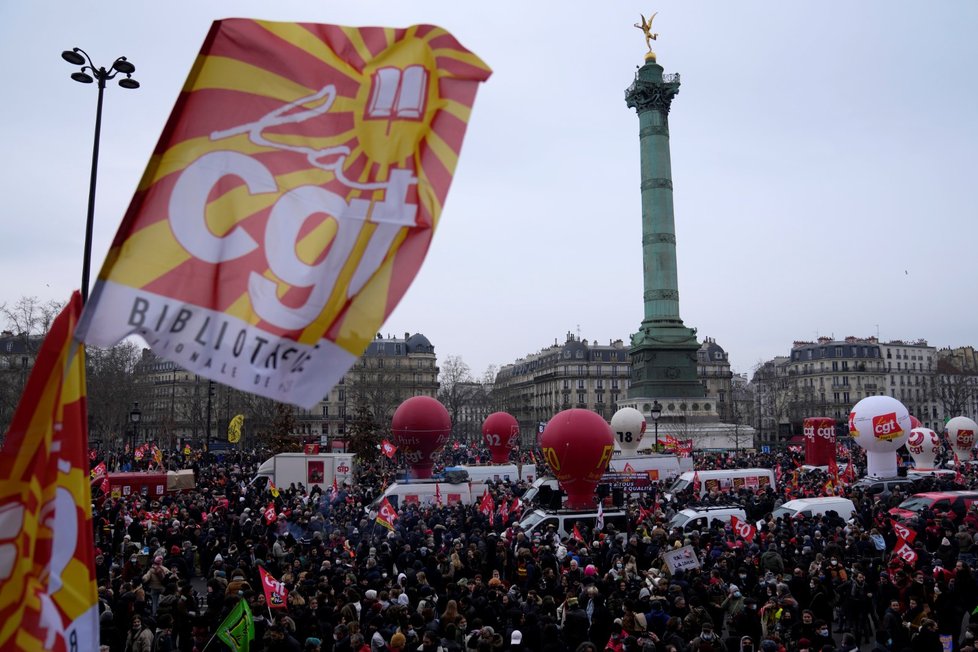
<point>92,454</point>
<point>48,596</point>
<point>697,485</point>
<point>628,468</point>
<point>99,471</point>
<point>834,471</point>
<point>958,478</point>
<point>903,532</point>
<point>270,515</point>
<point>576,533</point>
<point>438,494</point>
<point>743,529</point>
<point>311,449</point>
<point>503,511</point>
<point>388,449</point>
<point>904,552</point>
<point>515,509</point>
<point>777,473</point>
<point>488,506</point>
<point>276,595</point>
<point>386,515</point>
<point>455,446</point>
<point>336,486</point>
<point>361,129</point>
<point>105,486</point>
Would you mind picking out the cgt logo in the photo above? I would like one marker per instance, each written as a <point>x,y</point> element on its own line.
<point>885,427</point>
<point>965,438</point>
<point>852,425</point>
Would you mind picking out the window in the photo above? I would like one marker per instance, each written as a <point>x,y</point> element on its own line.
<point>581,370</point>
<point>325,410</point>
<point>581,397</point>
<point>341,395</point>
<point>838,351</point>
<point>614,383</point>
<point>600,383</point>
<point>566,384</point>
<point>580,354</point>
<point>835,365</point>
<point>580,383</point>
<point>845,365</point>
<point>845,397</point>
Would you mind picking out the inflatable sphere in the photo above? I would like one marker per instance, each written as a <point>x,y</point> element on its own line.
<point>628,426</point>
<point>819,440</point>
<point>961,433</point>
<point>880,424</point>
<point>577,445</point>
<point>915,423</point>
<point>501,433</point>
<point>924,444</point>
<point>421,427</point>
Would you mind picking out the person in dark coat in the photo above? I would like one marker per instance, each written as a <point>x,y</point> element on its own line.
<point>576,625</point>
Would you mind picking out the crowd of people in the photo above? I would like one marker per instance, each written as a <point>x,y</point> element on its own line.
<point>445,578</point>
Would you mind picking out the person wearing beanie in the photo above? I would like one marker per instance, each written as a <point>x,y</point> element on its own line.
<point>312,644</point>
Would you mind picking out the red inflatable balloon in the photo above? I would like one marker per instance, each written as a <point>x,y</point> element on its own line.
<point>421,427</point>
<point>500,431</point>
<point>914,422</point>
<point>578,445</point>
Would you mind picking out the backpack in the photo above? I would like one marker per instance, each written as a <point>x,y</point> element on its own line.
<point>162,642</point>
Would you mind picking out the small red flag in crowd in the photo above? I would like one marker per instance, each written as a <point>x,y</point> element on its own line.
<point>388,449</point>
<point>270,515</point>
<point>311,449</point>
<point>743,529</point>
<point>276,595</point>
<point>903,551</point>
<point>488,506</point>
<point>99,471</point>
<point>903,532</point>
<point>386,515</point>
<point>576,533</point>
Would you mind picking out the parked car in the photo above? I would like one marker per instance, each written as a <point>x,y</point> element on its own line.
<point>941,502</point>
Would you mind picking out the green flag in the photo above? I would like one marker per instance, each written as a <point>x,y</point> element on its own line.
<point>238,629</point>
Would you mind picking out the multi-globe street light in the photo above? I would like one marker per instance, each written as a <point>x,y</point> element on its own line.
<point>86,74</point>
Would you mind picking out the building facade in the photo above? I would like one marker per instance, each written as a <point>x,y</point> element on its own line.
<point>911,369</point>
<point>390,371</point>
<point>713,370</point>
<point>575,374</point>
<point>828,377</point>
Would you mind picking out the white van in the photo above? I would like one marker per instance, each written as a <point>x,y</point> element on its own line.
<point>816,507</point>
<point>724,480</point>
<point>497,472</point>
<point>700,518</point>
<point>426,492</point>
<point>537,521</point>
<point>656,465</point>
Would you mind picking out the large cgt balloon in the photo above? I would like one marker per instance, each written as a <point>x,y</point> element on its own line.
<point>578,445</point>
<point>628,426</point>
<point>924,444</point>
<point>500,431</point>
<point>421,427</point>
<point>880,424</point>
<point>961,433</point>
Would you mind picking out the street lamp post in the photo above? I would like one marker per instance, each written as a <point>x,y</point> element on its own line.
<point>135,416</point>
<point>656,412</point>
<point>86,75</point>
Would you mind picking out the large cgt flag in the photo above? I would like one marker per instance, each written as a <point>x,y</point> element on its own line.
<point>289,203</point>
<point>48,597</point>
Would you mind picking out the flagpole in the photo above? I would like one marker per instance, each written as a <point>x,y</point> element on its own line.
<point>213,636</point>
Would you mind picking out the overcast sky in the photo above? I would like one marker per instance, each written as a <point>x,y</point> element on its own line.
<point>824,164</point>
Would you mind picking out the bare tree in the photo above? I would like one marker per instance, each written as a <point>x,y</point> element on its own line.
<point>456,389</point>
<point>954,389</point>
<point>111,391</point>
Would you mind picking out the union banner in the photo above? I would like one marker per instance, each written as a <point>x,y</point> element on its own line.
<point>48,599</point>
<point>289,203</point>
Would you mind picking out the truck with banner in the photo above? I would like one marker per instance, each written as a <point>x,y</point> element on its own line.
<point>319,470</point>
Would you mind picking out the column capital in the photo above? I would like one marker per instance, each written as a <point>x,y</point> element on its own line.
<point>644,95</point>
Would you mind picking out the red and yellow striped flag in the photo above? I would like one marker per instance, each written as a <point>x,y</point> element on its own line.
<point>48,596</point>
<point>289,203</point>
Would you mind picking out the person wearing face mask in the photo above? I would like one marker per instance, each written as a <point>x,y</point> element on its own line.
<point>748,621</point>
<point>707,641</point>
<point>822,635</point>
